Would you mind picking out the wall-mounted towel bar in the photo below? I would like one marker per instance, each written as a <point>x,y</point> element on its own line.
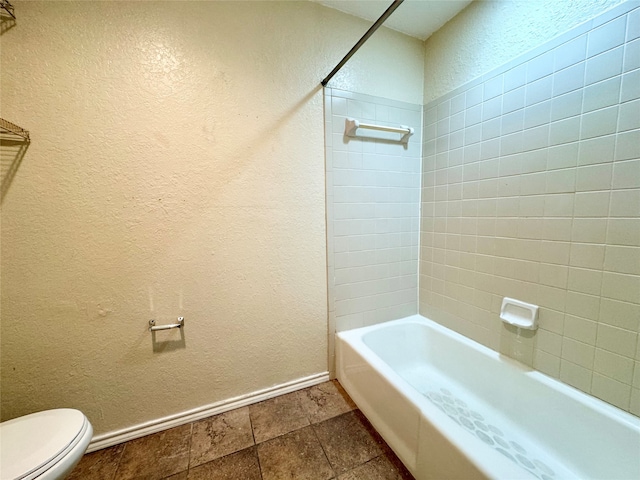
<point>351,125</point>
<point>154,328</point>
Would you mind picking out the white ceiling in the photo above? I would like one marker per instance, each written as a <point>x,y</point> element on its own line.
<point>418,18</point>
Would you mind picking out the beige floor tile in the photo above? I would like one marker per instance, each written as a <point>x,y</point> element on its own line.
<point>220,435</point>
<point>242,465</point>
<point>325,401</point>
<point>296,455</point>
<point>380,468</point>
<point>99,465</point>
<point>348,440</point>
<point>156,456</point>
<point>277,416</point>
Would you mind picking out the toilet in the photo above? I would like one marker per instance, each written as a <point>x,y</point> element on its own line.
<point>44,445</point>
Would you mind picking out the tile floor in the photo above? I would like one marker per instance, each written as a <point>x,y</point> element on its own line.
<point>312,434</point>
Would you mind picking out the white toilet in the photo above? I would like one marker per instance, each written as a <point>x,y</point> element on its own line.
<point>44,445</point>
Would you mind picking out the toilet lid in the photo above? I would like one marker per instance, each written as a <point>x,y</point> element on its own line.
<point>31,442</point>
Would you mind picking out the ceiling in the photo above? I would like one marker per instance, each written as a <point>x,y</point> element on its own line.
<point>418,18</point>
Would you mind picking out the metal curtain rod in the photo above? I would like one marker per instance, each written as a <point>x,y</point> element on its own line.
<point>365,37</point>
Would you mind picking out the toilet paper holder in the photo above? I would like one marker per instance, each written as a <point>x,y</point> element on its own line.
<point>154,328</point>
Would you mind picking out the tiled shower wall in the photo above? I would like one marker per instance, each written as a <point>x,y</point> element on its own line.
<point>531,190</point>
<point>373,201</point>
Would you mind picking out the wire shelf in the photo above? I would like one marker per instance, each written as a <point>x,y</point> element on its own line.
<point>8,127</point>
<point>7,7</point>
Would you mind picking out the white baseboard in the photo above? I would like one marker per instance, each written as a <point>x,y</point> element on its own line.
<point>119,436</point>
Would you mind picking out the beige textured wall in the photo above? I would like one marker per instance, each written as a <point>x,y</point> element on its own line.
<point>176,168</point>
<point>489,33</point>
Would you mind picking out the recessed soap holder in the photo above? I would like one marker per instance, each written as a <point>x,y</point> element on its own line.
<point>520,314</point>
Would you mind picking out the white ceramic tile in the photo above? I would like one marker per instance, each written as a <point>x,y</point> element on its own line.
<point>623,231</point>
<point>458,103</point>
<point>565,131</point>
<point>580,329</point>
<point>626,174</point>
<point>532,183</point>
<point>575,375</point>
<point>338,106</point>
<point>474,96</point>
<point>457,121</point>
<point>568,79</point>
<point>515,77</point>
<point>567,105</point>
<point>589,230</point>
<point>442,127</point>
<point>555,252</point>
<point>558,205</point>
<point>587,256</point>
<point>473,115</point>
<point>620,314</point>
<point>546,363</point>
<point>561,181</point>
<point>581,304</point>
<point>616,340</point>
<point>594,177</point>
<point>443,109</point>
<point>625,203</point>
<point>630,89</point>
<point>597,150</point>
<point>540,66</point>
<point>534,139</point>
<point>537,114</point>
<point>492,87</point>
<point>430,115</point>
<point>606,37</point>
<point>511,144</point>
<point>563,156</point>
<point>492,108</point>
<point>621,259</point>
<point>631,56</point>
<point>602,94</point>
<point>611,391</point>
<point>578,352</point>
<point>628,145</point>
<point>513,100</point>
<point>539,91</point>
<point>587,281</point>
<point>598,123</point>
<point>554,275</point>
<point>633,25</point>
<point>619,286</point>
<point>491,128</point>
<point>629,116</point>
<point>570,53</point>
<point>592,204</point>
<point>605,65</point>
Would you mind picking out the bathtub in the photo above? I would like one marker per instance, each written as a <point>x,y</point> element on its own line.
<point>452,408</point>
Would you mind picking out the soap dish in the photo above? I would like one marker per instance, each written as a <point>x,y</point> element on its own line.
<point>520,314</point>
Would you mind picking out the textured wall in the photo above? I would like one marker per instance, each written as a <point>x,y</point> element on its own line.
<point>489,33</point>
<point>176,168</point>
<point>531,190</point>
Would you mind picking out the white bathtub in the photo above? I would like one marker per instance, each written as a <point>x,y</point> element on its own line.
<point>452,408</point>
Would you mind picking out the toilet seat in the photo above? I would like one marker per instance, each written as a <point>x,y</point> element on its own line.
<point>43,445</point>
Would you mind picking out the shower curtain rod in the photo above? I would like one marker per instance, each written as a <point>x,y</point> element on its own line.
<point>365,37</point>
